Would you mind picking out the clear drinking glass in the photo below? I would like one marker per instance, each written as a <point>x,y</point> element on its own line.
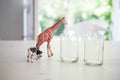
<point>93,50</point>
<point>69,48</point>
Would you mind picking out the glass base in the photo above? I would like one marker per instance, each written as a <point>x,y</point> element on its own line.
<point>66,60</point>
<point>94,63</point>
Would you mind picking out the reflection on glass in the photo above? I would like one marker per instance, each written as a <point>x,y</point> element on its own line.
<point>69,48</point>
<point>93,50</point>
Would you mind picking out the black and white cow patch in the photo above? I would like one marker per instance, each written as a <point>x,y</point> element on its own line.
<point>33,54</point>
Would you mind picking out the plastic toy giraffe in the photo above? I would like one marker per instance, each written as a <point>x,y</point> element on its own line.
<point>47,36</point>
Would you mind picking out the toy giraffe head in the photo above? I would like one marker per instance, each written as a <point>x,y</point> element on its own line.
<point>58,24</point>
<point>64,20</point>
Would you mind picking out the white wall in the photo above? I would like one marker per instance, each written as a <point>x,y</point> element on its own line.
<point>11,19</point>
<point>116,20</point>
<point>33,26</point>
<point>28,20</point>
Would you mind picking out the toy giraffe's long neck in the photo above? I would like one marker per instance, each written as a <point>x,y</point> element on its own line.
<point>55,26</point>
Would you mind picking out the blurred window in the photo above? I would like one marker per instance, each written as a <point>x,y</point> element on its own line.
<point>77,10</point>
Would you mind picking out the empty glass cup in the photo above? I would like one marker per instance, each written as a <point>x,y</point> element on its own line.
<point>93,49</point>
<point>69,48</point>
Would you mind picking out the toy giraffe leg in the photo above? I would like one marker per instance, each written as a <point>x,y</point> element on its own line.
<point>49,52</point>
<point>38,45</point>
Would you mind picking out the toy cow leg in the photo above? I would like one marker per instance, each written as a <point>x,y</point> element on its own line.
<point>34,57</point>
<point>31,58</point>
<point>28,56</point>
<point>31,55</point>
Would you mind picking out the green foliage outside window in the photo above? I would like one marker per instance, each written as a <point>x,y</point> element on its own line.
<point>51,11</point>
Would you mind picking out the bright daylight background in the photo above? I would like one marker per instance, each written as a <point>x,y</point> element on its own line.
<point>25,19</point>
<point>77,10</point>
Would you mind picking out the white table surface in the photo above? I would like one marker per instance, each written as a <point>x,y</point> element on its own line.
<point>13,65</point>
